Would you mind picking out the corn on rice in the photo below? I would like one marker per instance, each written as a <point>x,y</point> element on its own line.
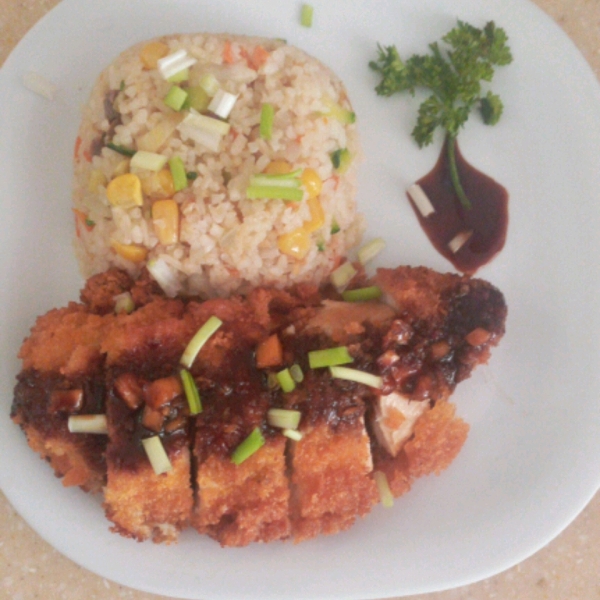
<point>219,242</point>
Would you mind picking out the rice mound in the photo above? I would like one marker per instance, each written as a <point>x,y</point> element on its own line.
<point>226,243</point>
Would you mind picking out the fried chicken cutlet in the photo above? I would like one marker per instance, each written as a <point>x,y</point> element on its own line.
<point>425,335</point>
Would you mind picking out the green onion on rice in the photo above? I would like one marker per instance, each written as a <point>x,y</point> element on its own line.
<point>227,240</point>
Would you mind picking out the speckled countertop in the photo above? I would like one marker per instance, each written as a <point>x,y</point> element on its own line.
<point>568,568</point>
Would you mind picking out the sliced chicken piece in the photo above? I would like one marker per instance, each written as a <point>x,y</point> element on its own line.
<point>394,420</point>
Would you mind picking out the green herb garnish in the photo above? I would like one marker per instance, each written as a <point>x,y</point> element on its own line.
<point>121,149</point>
<point>454,80</point>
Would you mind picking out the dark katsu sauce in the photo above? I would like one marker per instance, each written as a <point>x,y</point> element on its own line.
<point>486,220</point>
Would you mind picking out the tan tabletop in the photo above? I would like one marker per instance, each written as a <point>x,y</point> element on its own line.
<point>568,568</point>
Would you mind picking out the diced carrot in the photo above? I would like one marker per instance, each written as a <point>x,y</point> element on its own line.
<point>269,352</point>
<point>77,147</point>
<point>228,57</point>
<point>87,155</point>
<point>259,57</point>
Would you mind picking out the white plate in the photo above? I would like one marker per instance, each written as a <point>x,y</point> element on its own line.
<point>531,461</point>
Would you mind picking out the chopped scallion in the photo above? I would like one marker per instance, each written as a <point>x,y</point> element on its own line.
<point>296,373</point>
<point>197,98</point>
<point>286,381</point>
<point>88,424</point>
<point>284,418</point>
<point>385,493</point>
<point>335,228</point>
<point>306,15</point>
<point>293,434</point>
<point>191,392</point>
<point>459,240</point>
<point>369,379</point>
<point>175,97</point>
<point>341,159</point>
<point>267,115</point>
<point>420,200</point>
<point>121,149</point>
<point>254,192</point>
<point>174,63</point>
<point>124,303</point>
<point>329,357</point>
<point>180,76</point>
<point>362,294</point>
<point>157,455</point>
<point>254,442</point>
<point>209,83</point>
<point>370,250</point>
<point>199,339</point>
<point>40,85</point>
<point>150,161</point>
<point>178,172</point>
<point>164,276</point>
<point>222,104</point>
<point>343,275</point>
<point>192,175</point>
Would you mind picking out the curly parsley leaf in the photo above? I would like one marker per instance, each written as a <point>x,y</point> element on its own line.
<point>454,75</point>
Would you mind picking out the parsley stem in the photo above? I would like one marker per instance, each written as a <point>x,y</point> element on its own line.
<point>458,188</point>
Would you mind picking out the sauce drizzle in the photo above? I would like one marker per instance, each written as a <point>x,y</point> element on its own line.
<point>486,220</point>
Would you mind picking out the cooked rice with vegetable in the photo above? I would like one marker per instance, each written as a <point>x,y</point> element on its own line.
<point>220,163</point>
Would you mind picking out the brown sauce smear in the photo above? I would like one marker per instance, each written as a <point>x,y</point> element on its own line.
<point>487,218</point>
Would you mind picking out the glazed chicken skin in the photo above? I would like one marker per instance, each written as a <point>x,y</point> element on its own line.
<point>425,335</point>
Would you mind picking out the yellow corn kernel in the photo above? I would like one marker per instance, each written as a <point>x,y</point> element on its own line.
<point>151,52</point>
<point>295,244</point>
<point>158,185</point>
<point>125,191</point>
<point>317,215</point>
<point>131,252</point>
<point>312,183</point>
<point>278,167</point>
<point>165,218</point>
<point>97,179</point>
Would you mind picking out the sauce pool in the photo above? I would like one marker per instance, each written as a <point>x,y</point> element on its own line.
<point>485,223</point>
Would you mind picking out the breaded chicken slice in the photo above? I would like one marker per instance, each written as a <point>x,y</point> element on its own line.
<point>62,376</point>
<point>142,503</point>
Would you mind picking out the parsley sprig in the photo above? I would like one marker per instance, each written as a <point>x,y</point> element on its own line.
<point>455,78</point>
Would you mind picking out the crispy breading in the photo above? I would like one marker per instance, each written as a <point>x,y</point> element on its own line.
<point>435,331</point>
<point>331,482</point>
<point>248,503</point>
<point>143,505</point>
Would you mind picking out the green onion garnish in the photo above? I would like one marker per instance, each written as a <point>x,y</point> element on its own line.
<point>385,493</point>
<point>124,303</point>
<point>197,98</point>
<point>88,424</point>
<point>306,15</point>
<point>254,442</point>
<point>341,159</point>
<point>199,339</point>
<point>192,175</point>
<point>175,98</point>
<point>90,223</point>
<point>267,114</point>
<point>285,381</point>
<point>293,434</point>
<point>373,381</point>
<point>121,149</point>
<point>362,294</point>
<point>209,83</point>
<point>370,250</point>
<point>296,373</point>
<point>339,113</point>
<point>191,392</point>
<point>273,192</point>
<point>335,228</point>
<point>180,76</point>
<point>157,455</point>
<point>283,418</point>
<point>178,172</point>
<point>148,160</point>
<point>329,357</point>
<point>343,275</point>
